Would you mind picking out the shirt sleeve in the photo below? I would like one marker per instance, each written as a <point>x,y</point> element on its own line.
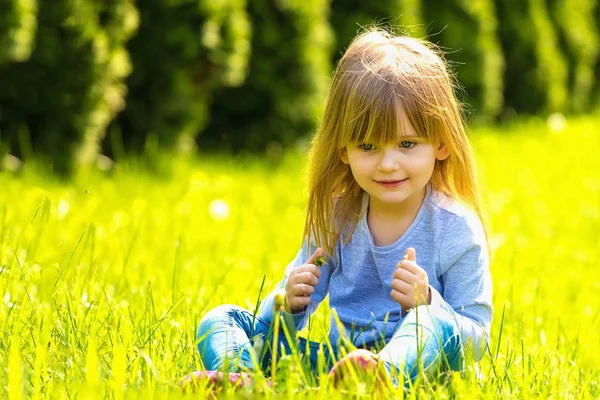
<point>299,320</point>
<point>466,282</point>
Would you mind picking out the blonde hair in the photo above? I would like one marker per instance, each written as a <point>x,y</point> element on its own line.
<point>378,71</point>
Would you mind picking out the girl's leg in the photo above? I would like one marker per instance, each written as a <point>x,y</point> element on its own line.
<point>224,339</point>
<point>225,342</point>
<point>427,336</point>
<point>312,351</point>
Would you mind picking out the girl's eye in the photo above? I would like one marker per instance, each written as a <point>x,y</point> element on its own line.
<point>366,146</point>
<point>406,144</point>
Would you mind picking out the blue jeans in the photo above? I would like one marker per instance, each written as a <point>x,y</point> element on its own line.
<point>229,337</point>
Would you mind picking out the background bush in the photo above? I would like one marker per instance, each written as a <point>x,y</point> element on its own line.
<point>234,75</point>
<point>182,52</point>
<point>283,95</point>
<point>63,95</point>
<point>18,22</point>
<point>473,48</point>
<point>579,39</point>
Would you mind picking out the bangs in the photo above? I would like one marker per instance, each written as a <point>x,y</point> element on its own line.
<point>371,112</point>
<point>377,110</point>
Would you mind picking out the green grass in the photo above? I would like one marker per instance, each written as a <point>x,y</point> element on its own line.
<point>104,279</point>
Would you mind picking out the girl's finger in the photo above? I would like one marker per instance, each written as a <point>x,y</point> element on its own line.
<point>399,297</point>
<point>409,266</point>
<point>405,301</point>
<point>318,253</point>
<point>301,302</point>
<point>402,286</point>
<point>308,278</point>
<point>411,255</point>
<point>302,289</point>
<point>404,274</point>
<point>313,269</point>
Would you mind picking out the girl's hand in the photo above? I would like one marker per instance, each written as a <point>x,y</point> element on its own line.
<point>410,286</point>
<point>301,284</point>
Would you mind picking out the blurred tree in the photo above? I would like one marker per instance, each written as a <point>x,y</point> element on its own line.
<point>411,18</point>
<point>284,93</point>
<point>183,51</point>
<point>490,57</point>
<point>202,77</point>
<point>551,69</point>
<point>522,93</point>
<point>349,16</point>
<point>18,23</point>
<point>596,95</point>
<point>468,31</point>
<point>575,18</point>
<point>61,99</point>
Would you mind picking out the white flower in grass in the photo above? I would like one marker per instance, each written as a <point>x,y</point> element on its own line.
<point>7,301</point>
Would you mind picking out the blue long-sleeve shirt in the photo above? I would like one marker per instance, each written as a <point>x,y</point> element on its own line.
<point>451,247</point>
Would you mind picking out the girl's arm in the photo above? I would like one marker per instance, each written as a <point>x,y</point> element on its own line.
<point>467,282</point>
<point>297,321</point>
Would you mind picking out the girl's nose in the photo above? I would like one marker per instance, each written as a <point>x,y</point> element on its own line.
<point>389,160</point>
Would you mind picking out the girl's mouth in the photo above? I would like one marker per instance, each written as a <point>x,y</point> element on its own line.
<point>392,183</point>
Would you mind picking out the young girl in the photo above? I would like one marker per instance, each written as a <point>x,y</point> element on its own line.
<point>393,208</point>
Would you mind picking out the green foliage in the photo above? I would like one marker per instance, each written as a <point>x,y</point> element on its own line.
<point>522,92</point>
<point>252,75</point>
<point>115,273</point>
<point>348,17</point>
<point>411,18</point>
<point>551,69</point>
<point>284,93</point>
<point>596,94</point>
<point>183,50</point>
<point>61,99</point>
<point>536,71</point>
<point>467,31</point>
<point>489,60</point>
<point>455,32</point>
<point>18,23</point>
<point>577,24</point>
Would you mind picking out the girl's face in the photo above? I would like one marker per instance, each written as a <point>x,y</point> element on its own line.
<point>394,174</point>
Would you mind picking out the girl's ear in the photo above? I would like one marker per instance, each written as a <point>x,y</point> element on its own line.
<point>344,156</point>
<point>442,152</point>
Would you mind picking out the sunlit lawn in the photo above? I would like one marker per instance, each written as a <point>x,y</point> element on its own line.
<point>103,280</point>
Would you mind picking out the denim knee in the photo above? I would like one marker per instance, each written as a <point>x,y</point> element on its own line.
<point>442,327</point>
<point>218,315</point>
<point>222,338</point>
<point>439,317</point>
<point>446,325</point>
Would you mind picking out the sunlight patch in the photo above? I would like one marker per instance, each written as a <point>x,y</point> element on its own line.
<point>219,210</point>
